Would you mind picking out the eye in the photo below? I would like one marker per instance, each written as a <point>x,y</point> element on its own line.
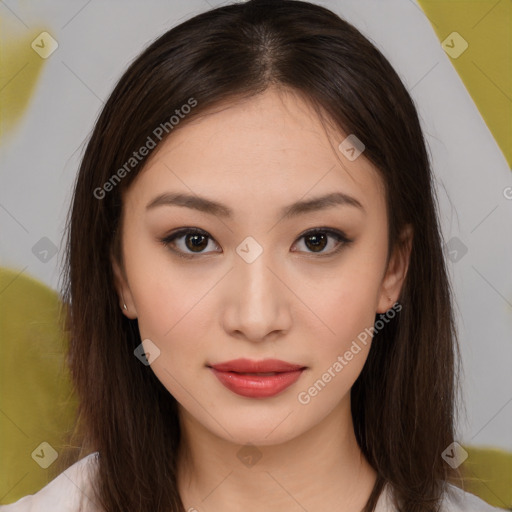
<point>317,239</point>
<point>192,239</point>
<point>189,241</point>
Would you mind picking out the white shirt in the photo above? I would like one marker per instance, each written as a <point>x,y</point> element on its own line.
<point>63,494</point>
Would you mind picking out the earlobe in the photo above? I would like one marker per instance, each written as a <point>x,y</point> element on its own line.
<point>397,270</point>
<point>123,291</point>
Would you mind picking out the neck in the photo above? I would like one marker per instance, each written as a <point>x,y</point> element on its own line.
<point>321,469</point>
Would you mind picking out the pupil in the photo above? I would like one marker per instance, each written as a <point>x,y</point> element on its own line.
<point>318,243</point>
<point>194,239</point>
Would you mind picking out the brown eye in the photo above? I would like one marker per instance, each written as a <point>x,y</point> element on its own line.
<point>189,241</point>
<point>316,242</point>
<point>318,239</point>
<point>196,242</point>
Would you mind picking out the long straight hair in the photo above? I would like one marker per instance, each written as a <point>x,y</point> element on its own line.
<point>404,400</point>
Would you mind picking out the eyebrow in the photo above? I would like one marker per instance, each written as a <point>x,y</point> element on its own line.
<point>214,208</point>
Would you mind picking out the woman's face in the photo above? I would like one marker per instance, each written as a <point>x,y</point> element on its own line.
<point>262,280</point>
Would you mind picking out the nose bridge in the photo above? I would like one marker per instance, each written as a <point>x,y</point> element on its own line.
<point>256,279</point>
<point>251,263</point>
<point>257,300</point>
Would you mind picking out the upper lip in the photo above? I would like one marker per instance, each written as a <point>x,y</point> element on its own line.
<point>249,366</point>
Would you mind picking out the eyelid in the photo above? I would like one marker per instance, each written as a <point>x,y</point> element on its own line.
<point>339,235</point>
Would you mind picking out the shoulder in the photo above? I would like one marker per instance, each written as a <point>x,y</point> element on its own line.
<point>454,500</point>
<point>64,493</point>
<point>458,500</point>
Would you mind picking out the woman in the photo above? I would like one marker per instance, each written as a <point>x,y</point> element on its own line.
<point>260,313</point>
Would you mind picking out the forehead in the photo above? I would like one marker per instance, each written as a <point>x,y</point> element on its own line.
<point>271,148</point>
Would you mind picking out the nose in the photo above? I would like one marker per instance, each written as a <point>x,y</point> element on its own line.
<point>257,307</point>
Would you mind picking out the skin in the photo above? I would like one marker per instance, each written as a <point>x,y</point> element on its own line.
<point>290,303</point>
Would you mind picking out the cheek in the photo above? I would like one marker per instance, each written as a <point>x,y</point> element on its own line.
<point>347,308</point>
<point>165,297</point>
<point>347,300</point>
<point>346,303</point>
<point>171,314</point>
<point>349,317</point>
<point>173,310</point>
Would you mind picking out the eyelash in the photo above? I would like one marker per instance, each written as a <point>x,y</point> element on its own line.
<point>340,237</point>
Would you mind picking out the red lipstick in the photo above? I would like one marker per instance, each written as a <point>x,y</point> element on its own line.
<point>257,379</point>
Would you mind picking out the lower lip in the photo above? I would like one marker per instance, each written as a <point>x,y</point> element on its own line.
<point>254,386</point>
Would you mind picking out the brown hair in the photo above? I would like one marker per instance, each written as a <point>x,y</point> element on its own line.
<point>404,400</point>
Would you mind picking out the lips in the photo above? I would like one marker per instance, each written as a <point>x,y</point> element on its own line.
<point>257,379</point>
<point>248,366</point>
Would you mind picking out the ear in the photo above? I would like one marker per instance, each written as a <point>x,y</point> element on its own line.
<point>396,271</point>
<point>123,290</point>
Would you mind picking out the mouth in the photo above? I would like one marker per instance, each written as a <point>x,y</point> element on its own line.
<point>249,366</point>
<point>268,374</point>
<point>257,379</point>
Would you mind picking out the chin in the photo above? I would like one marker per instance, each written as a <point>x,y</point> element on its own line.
<point>259,428</point>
